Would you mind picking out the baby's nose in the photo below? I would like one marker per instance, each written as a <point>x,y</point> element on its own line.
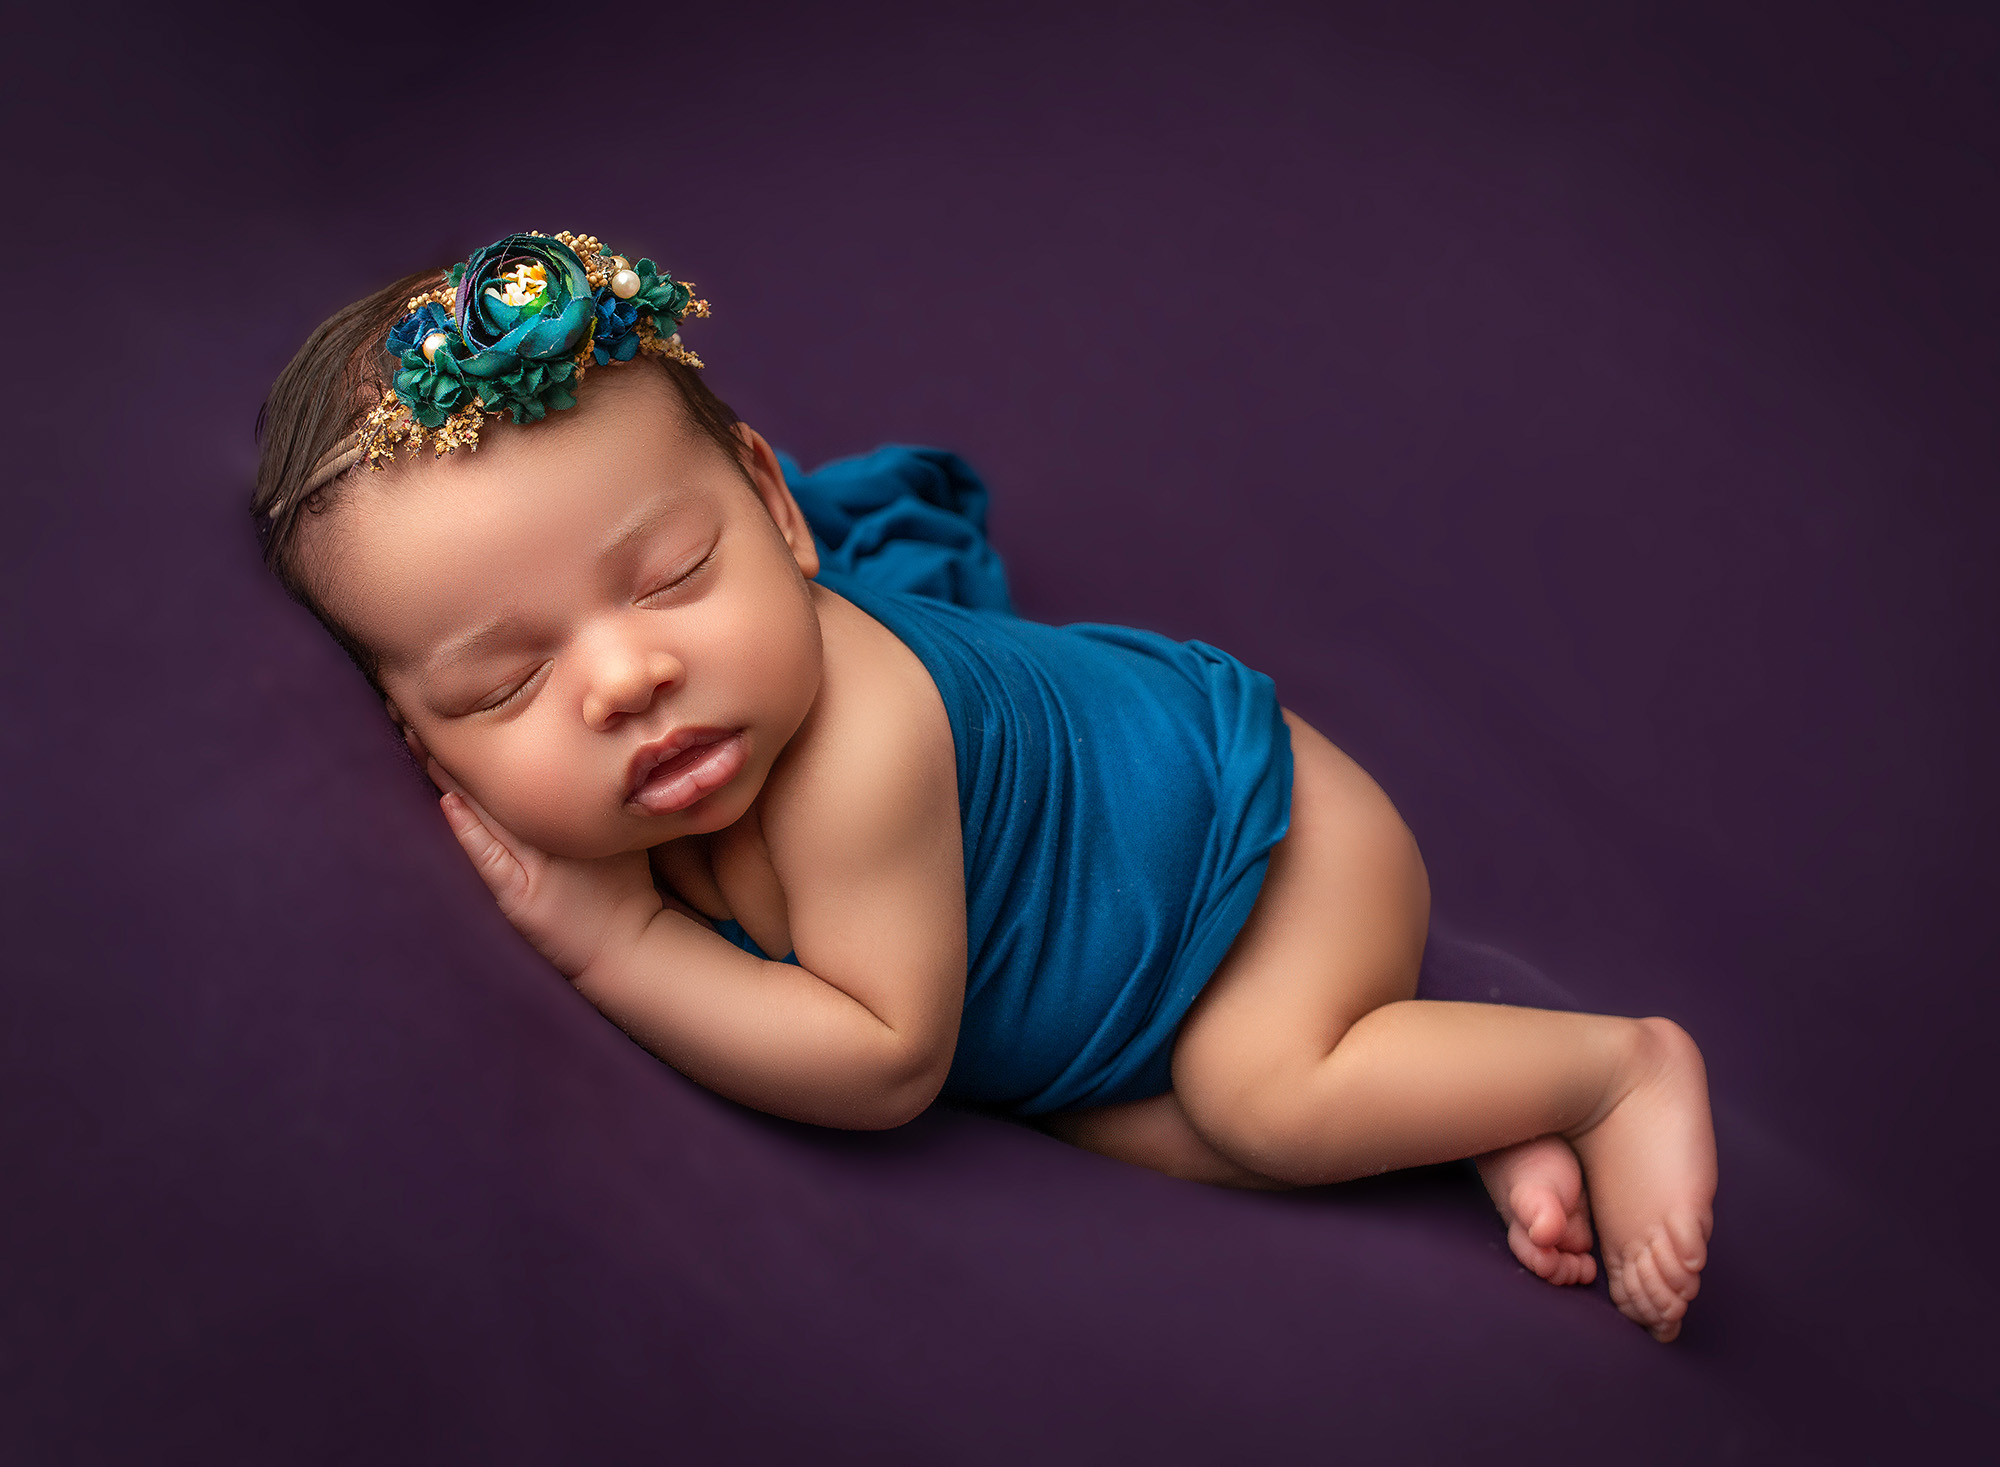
<point>627,683</point>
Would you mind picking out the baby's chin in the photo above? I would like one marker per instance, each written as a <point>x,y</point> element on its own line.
<point>639,833</point>
<point>717,811</point>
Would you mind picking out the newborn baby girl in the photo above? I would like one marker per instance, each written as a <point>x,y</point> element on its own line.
<point>835,851</point>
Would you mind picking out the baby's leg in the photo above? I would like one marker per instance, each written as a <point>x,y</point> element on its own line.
<point>1537,1185</point>
<point>1307,1060</point>
<point>1154,1133</point>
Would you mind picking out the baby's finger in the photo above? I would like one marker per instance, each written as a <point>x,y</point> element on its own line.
<point>497,866</point>
<point>500,832</point>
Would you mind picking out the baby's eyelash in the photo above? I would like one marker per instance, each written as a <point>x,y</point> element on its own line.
<point>526,683</point>
<point>682,579</point>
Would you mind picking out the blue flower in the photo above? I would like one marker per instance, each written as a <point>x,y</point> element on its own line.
<point>408,334</point>
<point>617,334</point>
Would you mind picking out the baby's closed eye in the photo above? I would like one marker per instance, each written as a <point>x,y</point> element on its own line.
<point>514,690</point>
<point>680,579</point>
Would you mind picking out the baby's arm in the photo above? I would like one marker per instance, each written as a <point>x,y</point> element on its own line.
<point>864,838</point>
<point>860,1032</point>
<point>775,1036</point>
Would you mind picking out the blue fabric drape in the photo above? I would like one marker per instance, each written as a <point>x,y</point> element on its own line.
<point>1119,793</point>
<point>903,519</point>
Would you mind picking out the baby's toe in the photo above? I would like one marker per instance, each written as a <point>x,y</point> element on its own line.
<point>1680,1280</point>
<point>1532,1256</point>
<point>1688,1239</point>
<point>1558,1265</point>
<point>1570,1269</point>
<point>1539,1211</point>
<point>1653,1285</point>
<point>1663,1302</point>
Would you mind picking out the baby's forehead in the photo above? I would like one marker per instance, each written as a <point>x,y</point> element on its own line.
<point>427,552</point>
<point>604,485</point>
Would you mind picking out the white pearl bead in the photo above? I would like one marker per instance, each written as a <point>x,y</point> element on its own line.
<point>625,285</point>
<point>433,344</point>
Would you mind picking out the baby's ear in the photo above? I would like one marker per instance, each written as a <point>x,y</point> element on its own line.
<point>761,461</point>
<point>410,739</point>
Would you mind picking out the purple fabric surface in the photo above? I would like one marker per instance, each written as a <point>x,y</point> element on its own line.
<point>1585,414</point>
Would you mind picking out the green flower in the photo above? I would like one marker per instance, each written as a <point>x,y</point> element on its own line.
<point>531,391</point>
<point>432,390</point>
<point>661,294</point>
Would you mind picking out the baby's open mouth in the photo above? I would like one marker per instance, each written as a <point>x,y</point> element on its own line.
<point>674,772</point>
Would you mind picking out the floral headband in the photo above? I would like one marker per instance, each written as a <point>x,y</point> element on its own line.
<point>512,330</point>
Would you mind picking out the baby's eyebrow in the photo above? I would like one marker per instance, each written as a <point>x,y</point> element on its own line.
<point>641,523</point>
<point>465,644</point>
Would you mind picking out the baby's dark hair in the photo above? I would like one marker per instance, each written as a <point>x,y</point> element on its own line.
<point>322,396</point>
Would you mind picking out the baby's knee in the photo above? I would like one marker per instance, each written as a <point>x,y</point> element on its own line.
<point>1269,1129</point>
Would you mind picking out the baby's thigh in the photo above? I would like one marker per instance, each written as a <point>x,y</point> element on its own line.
<point>1154,1133</point>
<point>1338,929</point>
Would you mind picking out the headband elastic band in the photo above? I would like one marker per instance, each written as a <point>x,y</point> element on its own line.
<point>343,456</point>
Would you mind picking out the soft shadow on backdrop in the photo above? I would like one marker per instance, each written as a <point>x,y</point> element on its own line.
<point>1584,413</point>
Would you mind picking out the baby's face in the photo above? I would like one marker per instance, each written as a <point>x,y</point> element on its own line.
<point>593,623</point>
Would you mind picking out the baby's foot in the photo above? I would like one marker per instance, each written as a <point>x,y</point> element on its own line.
<point>1538,1187</point>
<point>1651,1165</point>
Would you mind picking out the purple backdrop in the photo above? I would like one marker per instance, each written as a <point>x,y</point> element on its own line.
<point>1585,412</point>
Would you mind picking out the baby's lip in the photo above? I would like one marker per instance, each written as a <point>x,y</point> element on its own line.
<point>649,757</point>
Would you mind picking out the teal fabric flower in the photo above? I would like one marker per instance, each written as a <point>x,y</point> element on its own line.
<point>531,391</point>
<point>432,390</point>
<point>522,300</point>
<point>661,294</point>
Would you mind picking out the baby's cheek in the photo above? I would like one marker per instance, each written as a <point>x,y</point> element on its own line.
<point>552,803</point>
<point>786,663</point>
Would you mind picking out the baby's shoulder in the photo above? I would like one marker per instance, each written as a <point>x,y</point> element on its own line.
<point>873,764</point>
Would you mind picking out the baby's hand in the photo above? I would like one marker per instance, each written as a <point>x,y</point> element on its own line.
<point>571,911</point>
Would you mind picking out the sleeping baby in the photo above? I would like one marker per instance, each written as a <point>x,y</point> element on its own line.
<point>835,849</point>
